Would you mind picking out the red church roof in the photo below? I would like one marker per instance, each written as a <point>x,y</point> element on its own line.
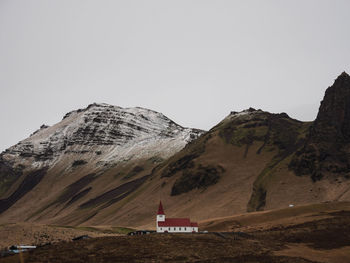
<point>176,222</point>
<point>160,209</point>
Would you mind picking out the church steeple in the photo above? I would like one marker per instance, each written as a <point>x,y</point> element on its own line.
<point>160,209</point>
<point>160,214</point>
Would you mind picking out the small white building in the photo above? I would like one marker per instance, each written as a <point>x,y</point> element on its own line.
<point>174,225</point>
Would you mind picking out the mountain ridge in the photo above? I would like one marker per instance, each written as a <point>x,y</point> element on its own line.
<point>114,164</point>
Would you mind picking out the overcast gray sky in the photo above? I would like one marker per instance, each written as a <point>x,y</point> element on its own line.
<point>194,61</point>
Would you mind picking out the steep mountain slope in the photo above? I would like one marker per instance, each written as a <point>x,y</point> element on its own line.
<point>89,152</point>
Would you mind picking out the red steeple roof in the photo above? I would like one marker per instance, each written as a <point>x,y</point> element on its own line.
<point>160,209</point>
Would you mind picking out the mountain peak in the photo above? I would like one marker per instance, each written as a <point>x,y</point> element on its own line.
<point>329,136</point>
<point>344,74</point>
<point>335,107</point>
<point>343,80</point>
<point>124,133</point>
<point>99,107</point>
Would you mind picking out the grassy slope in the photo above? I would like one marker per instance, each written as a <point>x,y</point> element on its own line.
<point>272,218</point>
<point>51,200</point>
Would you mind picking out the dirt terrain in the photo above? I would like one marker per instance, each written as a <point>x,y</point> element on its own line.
<point>314,233</point>
<point>35,234</point>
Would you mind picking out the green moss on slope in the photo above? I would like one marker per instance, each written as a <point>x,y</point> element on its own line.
<point>287,135</point>
<point>200,178</point>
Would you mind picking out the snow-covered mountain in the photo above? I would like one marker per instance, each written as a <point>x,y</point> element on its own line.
<point>70,164</point>
<point>105,133</point>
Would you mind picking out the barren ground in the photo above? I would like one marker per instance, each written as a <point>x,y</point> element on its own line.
<point>316,233</point>
<point>35,234</point>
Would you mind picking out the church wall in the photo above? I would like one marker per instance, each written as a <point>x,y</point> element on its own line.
<point>177,229</point>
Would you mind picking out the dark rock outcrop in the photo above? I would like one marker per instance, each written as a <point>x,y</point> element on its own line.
<point>201,178</point>
<point>327,148</point>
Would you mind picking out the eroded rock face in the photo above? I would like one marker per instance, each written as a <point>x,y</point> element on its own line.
<point>112,131</point>
<point>327,148</point>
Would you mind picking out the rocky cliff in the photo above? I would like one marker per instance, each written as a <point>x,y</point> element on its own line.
<point>326,151</point>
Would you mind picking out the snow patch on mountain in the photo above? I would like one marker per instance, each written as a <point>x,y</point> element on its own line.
<point>118,134</point>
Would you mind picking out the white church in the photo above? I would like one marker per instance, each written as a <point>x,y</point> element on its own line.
<point>174,225</point>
